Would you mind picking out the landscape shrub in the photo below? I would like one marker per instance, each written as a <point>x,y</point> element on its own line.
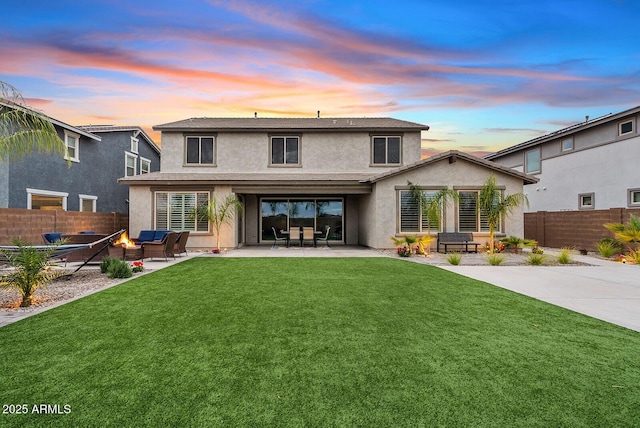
<point>495,260</point>
<point>119,269</point>
<point>565,256</point>
<point>454,258</point>
<point>608,247</point>
<point>107,262</point>
<point>535,259</point>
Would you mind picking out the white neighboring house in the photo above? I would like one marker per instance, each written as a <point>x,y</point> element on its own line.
<point>591,165</point>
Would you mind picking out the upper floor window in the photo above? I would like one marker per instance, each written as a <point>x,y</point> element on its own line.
<point>200,151</point>
<point>134,145</point>
<point>386,150</point>
<point>567,144</point>
<point>130,164</point>
<point>412,216</point>
<point>625,127</point>
<point>532,161</point>
<point>72,143</point>
<point>145,166</point>
<point>285,150</point>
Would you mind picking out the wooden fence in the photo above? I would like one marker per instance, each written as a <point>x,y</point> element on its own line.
<point>31,224</point>
<point>578,229</point>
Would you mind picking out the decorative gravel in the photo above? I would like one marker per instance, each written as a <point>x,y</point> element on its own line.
<point>61,289</point>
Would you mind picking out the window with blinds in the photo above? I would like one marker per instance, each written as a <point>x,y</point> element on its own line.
<point>175,211</point>
<point>412,217</point>
<point>470,219</point>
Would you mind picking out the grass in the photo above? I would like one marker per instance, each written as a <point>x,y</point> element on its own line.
<point>317,342</point>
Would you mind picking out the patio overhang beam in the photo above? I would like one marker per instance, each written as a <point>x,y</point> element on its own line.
<point>301,189</point>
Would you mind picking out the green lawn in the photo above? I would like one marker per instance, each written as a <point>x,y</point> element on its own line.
<point>317,342</point>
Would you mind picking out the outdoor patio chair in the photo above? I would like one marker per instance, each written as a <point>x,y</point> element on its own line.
<point>164,248</point>
<point>295,233</point>
<point>325,238</point>
<point>51,237</point>
<point>181,243</point>
<point>308,235</point>
<point>277,238</point>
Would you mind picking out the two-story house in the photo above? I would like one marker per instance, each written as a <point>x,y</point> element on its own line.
<point>98,157</point>
<point>350,174</point>
<point>590,165</point>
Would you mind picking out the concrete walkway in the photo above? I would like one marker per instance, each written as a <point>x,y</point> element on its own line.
<point>608,291</point>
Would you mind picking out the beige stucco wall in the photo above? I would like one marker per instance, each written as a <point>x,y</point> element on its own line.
<point>319,152</point>
<point>141,217</point>
<point>379,227</point>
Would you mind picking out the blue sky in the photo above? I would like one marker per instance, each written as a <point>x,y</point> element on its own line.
<point>483,74</point>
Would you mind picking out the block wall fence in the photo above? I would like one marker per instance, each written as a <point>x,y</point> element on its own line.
<point>31,224</point>
<point>578,229</point>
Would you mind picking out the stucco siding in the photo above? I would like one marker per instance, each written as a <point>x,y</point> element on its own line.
<point>458,175</point>
<point>319,152</point>
<point>608,171</point>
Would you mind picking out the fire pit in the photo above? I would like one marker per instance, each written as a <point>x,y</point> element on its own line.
<point>125,249</point>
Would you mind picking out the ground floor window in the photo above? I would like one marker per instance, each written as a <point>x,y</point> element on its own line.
<point>470,219</point>
<point>46,200</point>
<point>412,218</point>
<point>289,213</point>
<point>88,203</point>
<point>175,211</point>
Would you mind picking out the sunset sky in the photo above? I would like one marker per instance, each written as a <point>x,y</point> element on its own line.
<point>483,74</point>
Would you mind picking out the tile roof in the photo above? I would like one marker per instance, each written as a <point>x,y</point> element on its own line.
<point>260,123</point>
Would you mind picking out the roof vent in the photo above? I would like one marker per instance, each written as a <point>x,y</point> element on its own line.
<point>255,114</point>
<point>318,114</point>
<point>586,118</point>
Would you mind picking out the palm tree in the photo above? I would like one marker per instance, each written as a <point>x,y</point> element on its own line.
<point>31,270</point>
<point>24,130</point>
<point>219,213</point>
<point>628,232</point>
<point>431,205</point>
<point>495,205</point>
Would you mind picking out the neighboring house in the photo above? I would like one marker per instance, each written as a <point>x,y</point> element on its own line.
<point>591,165</point>
<point>346,173</point>
<point>99,157</point>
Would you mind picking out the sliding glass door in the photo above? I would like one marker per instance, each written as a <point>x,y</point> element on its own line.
<point>290,213</point>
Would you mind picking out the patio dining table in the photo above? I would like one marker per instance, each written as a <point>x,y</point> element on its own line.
<point>316,234</point>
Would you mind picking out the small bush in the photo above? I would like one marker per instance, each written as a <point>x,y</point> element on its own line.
<point>119,269</point>
<point>107,262</point>
<point>537,250</point>
<point>633,257</point>
<point>535,259</point>
<point>608,247</point>
<point>565,256</point>
<point>495,260</point>
<point>454,258</point>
